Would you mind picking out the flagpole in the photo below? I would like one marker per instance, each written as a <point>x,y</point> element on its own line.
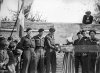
<point>1,2</point>
<point>18,12</point>
<point>16,19</point>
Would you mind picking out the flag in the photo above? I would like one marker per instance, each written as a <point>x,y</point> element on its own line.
<point>24,4</point>
<point>1,1</point>
<point>21,24</point>
<point>21,19</point>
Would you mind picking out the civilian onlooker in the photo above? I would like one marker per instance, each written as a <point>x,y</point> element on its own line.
<point>87,18</point>
<point>12,59</point>
<point>4,58</point>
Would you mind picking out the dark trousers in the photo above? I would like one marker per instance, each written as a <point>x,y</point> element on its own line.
<point>85,64</point>
<point>51,61</point>
<point>78,61</point>
<point>98,65</point>
<point>39,59</point>
<point>29,62</point>
<point>92,62</point>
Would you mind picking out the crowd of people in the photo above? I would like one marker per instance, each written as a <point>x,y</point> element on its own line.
<point>32,54</point>
<point>37,54</point>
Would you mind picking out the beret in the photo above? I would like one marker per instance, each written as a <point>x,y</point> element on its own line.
<point>28,29</point>
<point>88,12</point>
<point>78,33</point>
<point>40,30</point>
<point>52,29</point>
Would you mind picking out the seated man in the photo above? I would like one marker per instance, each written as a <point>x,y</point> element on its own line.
<point>88,18</point>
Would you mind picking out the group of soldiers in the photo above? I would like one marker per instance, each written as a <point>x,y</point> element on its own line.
<point>38,52</point>
<point>35,54</point>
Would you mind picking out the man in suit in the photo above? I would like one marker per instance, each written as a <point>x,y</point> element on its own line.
<point>84,45</point>
<point>88,18</point>
<point>92,55</point>
<point>78,55</point>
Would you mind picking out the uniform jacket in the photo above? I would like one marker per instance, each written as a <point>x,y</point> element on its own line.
<point>39,41</point>
<point>49,42</point>
<point>87,20</point>
<point>26,43</point>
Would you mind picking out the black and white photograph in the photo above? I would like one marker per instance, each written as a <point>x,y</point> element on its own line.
<point>49,36</point>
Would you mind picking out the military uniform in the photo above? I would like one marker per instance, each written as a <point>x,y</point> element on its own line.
<point>84,44</point>
<point>28,46</point>
<point>50,53</point>
<point>39,49</point>
<point>78,55</point>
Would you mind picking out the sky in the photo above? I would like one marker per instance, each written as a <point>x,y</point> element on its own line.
<point>67,11</point>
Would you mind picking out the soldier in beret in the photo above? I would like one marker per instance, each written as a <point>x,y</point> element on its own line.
<point>27,44</point>
<point>50,51</point>
<point>39,49</point>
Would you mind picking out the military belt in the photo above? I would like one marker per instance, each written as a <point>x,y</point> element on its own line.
<point>39,47</point>
<point>27,48</point>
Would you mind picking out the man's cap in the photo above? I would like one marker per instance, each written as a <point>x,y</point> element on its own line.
<point>28,29</point>
<point>92,31</point>
<point>16,41</point>
<point>88,12</point>
<point>40,30</point>
<point>52,29</point>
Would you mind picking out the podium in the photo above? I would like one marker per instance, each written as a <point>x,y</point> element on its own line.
<point>91,48</point>
<point>68,60</point>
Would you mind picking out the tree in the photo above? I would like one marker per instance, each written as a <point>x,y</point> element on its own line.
<point>36,17</point>
<point>97,9</point>
<point>27,10</point>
